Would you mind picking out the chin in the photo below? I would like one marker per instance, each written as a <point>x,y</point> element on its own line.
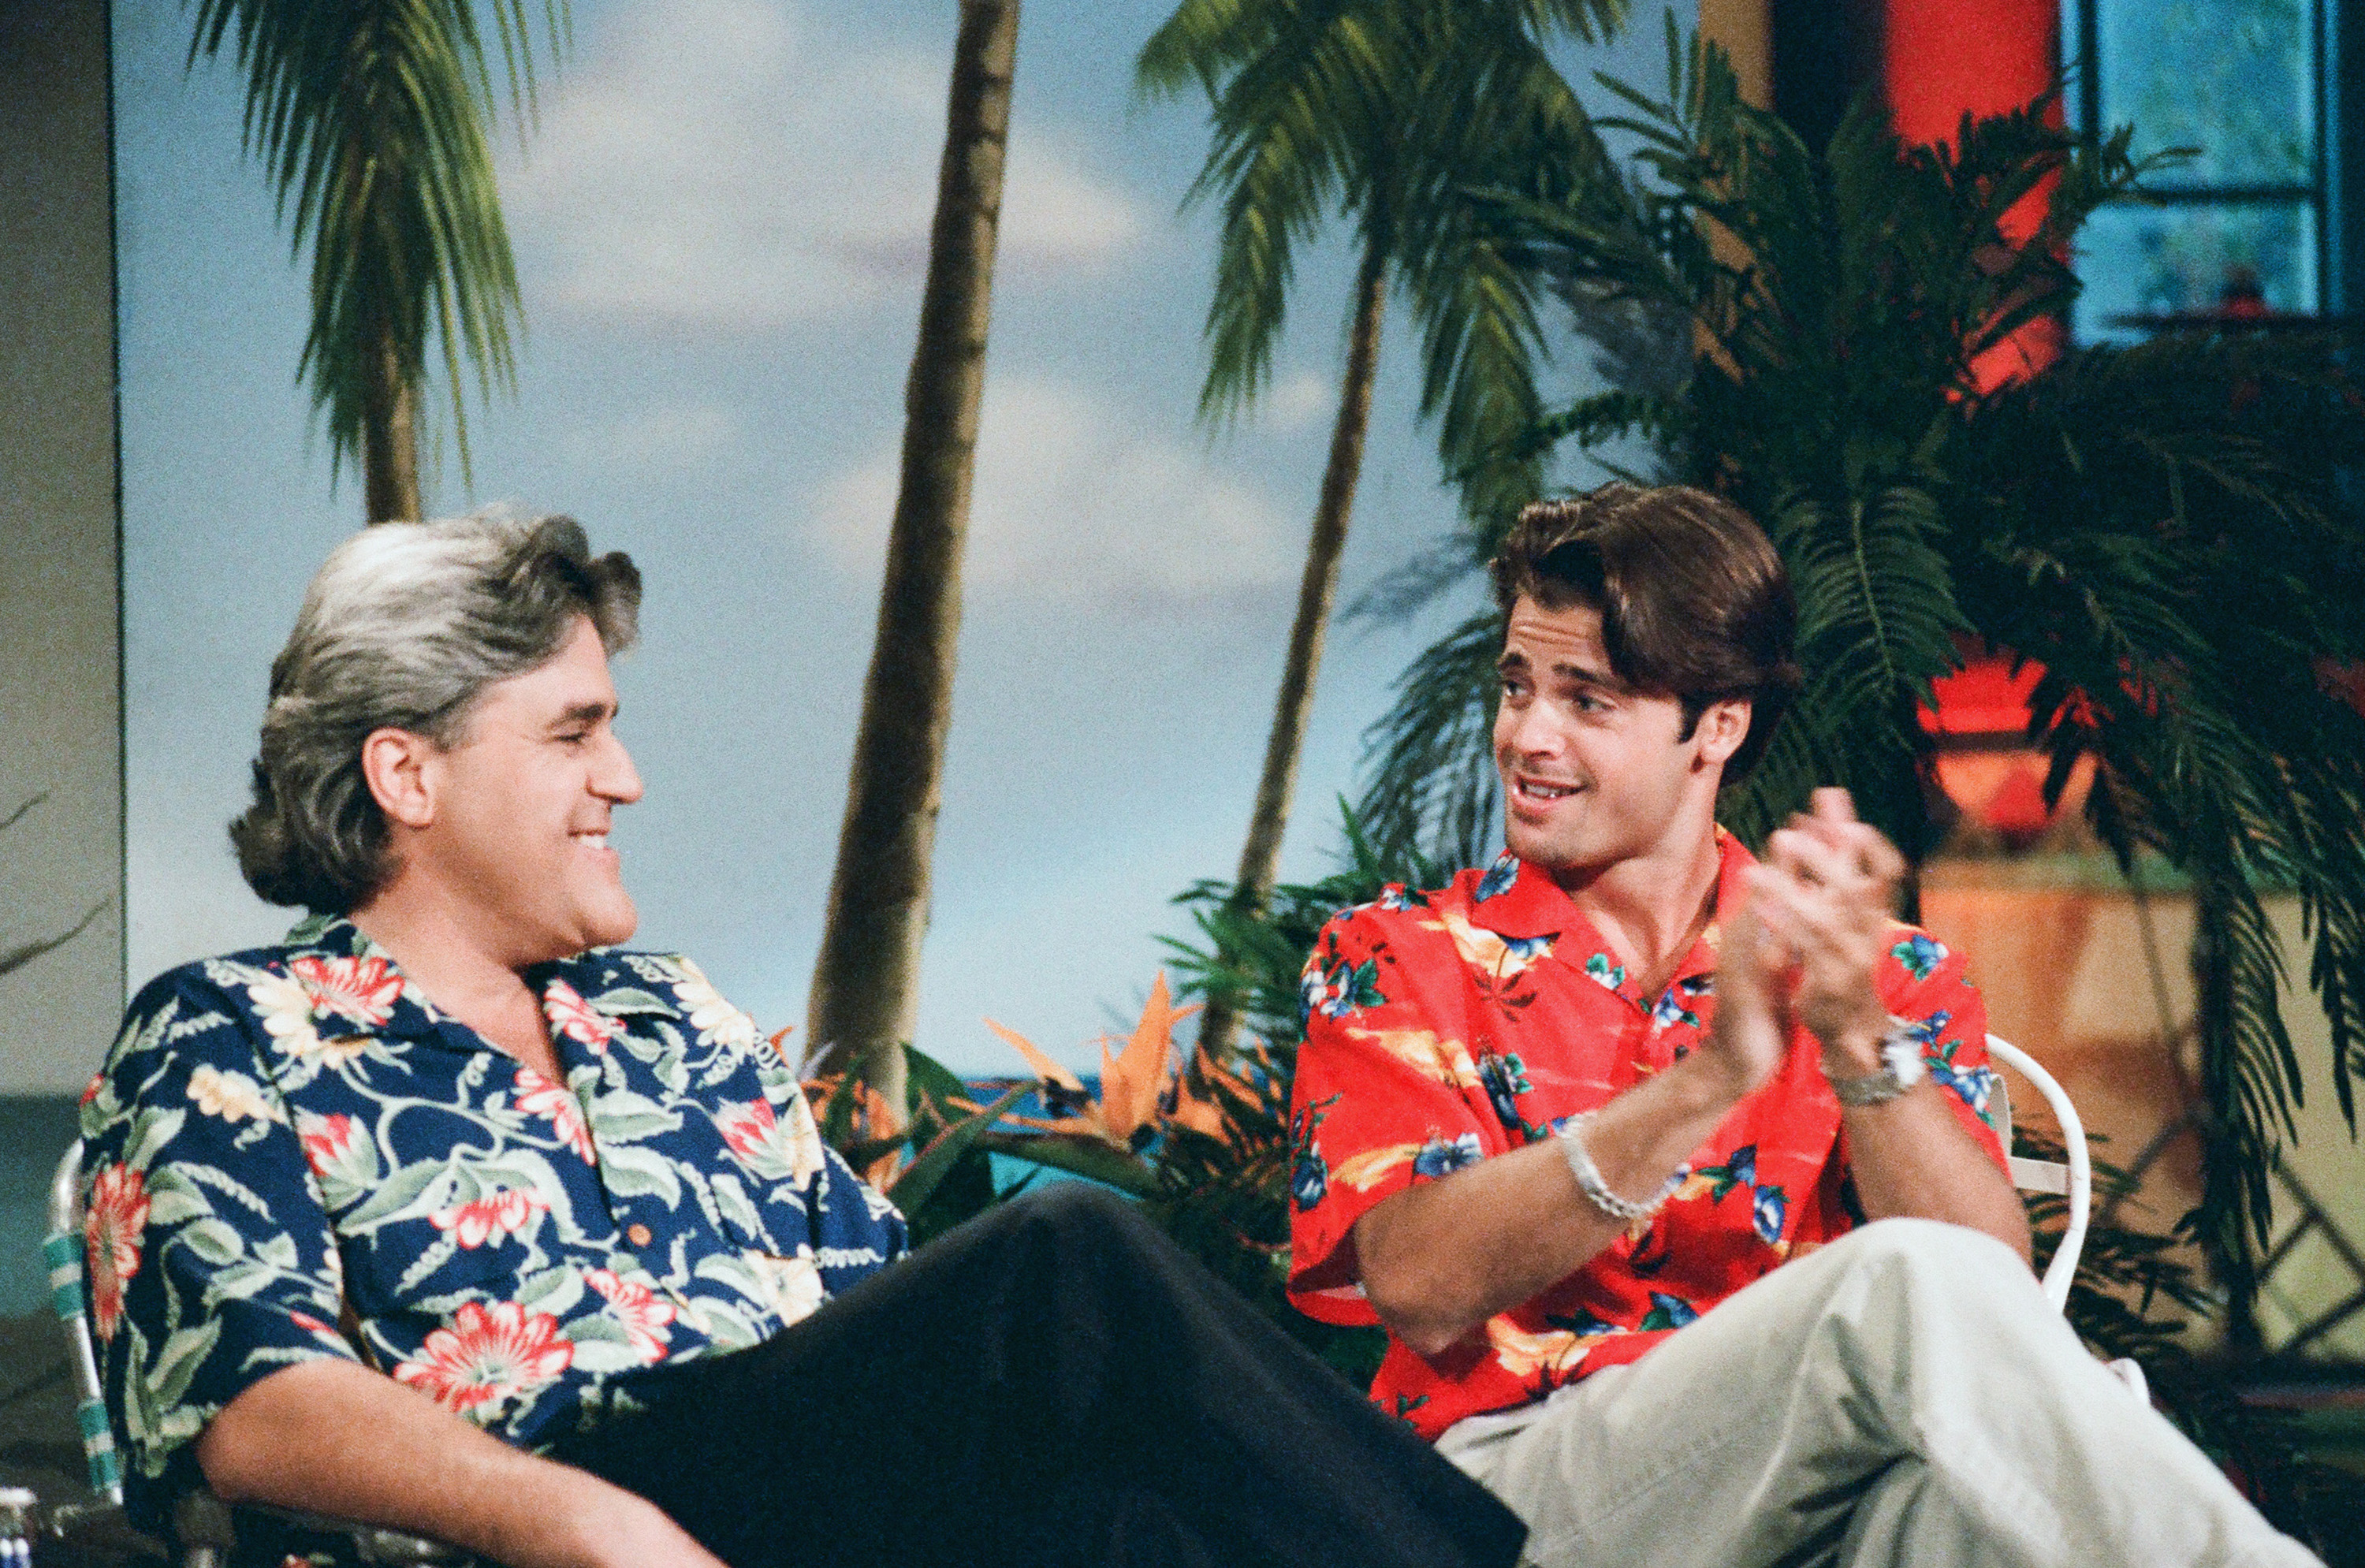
<point>608,921</point>
<point>614,931</point>
<point>1548,852</point>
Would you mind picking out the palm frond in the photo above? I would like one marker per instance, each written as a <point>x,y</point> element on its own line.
<point>1431,791</point>
<point>371,119</point>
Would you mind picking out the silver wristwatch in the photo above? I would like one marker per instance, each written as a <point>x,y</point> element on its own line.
<point>1901,1068</point>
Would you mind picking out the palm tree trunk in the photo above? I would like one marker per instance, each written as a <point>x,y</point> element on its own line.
<point>866,981</point>
<point>389,437</point>
<point>1316,591</point>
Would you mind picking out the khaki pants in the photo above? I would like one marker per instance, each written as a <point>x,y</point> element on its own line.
<point>1902,1397</point>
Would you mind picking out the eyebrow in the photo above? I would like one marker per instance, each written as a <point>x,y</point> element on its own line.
<point>585,713</point>
<point>1518,661</point>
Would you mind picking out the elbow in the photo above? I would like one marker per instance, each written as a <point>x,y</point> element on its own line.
<point>228,1456</point>
<point>1426,1340</point>
<point>2015,1234</point>
<point>1415,1309</point>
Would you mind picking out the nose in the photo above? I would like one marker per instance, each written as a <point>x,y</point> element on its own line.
<point>615,778</point>
<point>1531,731</point>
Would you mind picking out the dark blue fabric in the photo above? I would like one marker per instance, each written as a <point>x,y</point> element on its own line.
<point>287,1138</point>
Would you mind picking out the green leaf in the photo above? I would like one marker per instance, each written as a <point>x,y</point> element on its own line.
<point>213,1243</point>
<point>177,1359</point>
<point>173,1198</point>
<point>624,1000</point>
<point>919,1179</point>
<point>631,1172</point>
<point>401,1197</point>
<point>1078,1155</point>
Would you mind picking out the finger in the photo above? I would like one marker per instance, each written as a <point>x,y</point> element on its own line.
<point>1819,861</point>
<point>1787,910</point>
<point>1812,852</point>
<point>1812,829</point>
<point>1886,862</point>
<point>1760,929</point>
<point>1818,933</point>
<point>1834,805</point>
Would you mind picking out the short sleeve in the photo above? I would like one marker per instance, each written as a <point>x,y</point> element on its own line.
<point>210,1259</point>
<point>1930,987</point>
<point>1380,1097</point>
<point>854,1230</point>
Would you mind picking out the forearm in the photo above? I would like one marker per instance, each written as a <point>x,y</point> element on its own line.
<point>1911,1158</point>
<point>335,1437</point>
<point>1442,1257</point>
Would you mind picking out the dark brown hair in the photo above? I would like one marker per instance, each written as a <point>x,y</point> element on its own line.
<point>1695,603</point>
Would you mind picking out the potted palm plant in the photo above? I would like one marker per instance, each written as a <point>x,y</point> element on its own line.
<point>2173,532</point>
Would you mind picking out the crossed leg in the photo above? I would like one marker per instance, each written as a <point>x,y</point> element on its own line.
<point>1903,1396</point>
<point>1052,1383</point>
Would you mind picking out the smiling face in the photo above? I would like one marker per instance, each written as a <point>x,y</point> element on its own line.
<point>518,839</point>
<point>1595,773</point>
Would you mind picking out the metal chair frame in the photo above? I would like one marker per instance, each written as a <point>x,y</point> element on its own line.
<point>205,1527</point>
<point>2072,1179</point>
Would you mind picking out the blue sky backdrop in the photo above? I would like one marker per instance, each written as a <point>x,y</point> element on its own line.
<point>721,225</point>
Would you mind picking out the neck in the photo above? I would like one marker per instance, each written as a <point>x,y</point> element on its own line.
<point>1650,907</point>
<point>443,961</point>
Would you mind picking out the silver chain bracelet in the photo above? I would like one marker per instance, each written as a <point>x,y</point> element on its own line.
<point>1625,1211</point>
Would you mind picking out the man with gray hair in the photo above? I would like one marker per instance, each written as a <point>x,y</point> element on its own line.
<point>452,1215</point>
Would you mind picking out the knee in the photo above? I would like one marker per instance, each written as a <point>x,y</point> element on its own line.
<point>1933,1259</point>
<point>1080,1216</point>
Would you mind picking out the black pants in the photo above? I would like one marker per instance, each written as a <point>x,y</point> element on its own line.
<point>1053,1384</point>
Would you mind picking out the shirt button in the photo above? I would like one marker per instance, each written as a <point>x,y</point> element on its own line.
<point>637,1233</point>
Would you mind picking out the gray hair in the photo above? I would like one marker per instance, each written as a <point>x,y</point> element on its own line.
<point>404,627</point>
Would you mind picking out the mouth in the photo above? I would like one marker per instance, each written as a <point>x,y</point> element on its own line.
<point>591,840</point>
<point>1543,791</point>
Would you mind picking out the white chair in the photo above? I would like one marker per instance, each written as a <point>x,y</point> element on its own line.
<point>2073,1180</point>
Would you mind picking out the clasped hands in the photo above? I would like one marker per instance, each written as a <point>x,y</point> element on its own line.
<point>1806,945</point>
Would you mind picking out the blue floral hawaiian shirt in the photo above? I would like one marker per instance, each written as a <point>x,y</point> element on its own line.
<point>290,1157</point>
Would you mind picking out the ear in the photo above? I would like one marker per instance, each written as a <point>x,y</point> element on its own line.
<point>399,765</point>
<point>1723,726</point>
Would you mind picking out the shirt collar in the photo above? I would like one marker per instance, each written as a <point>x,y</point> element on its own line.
<point>355,985</point>
<point>1516,899</point>
<point>358,988</point>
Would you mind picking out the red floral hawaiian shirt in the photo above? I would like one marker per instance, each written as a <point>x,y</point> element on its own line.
<point>1447,1026</point>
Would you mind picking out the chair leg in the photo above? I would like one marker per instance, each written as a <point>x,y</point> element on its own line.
<point>203,1529</point>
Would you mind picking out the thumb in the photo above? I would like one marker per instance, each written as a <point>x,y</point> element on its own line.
<point>1743,961</point>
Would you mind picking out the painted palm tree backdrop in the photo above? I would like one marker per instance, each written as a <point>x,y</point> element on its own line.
<point>867,976</point>
<point>1378,114</point>
<point>2172,531</point>
<point>374,119</point>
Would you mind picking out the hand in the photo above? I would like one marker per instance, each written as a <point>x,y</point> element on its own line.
<point>1750,1028</point>
<point>1825,892</point>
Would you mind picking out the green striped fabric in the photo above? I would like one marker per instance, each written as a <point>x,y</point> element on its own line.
<point>63,1255</point>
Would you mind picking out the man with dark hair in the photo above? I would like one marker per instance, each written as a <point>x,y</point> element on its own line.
<point>1663,1167</point>
<point>449,1215</point>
